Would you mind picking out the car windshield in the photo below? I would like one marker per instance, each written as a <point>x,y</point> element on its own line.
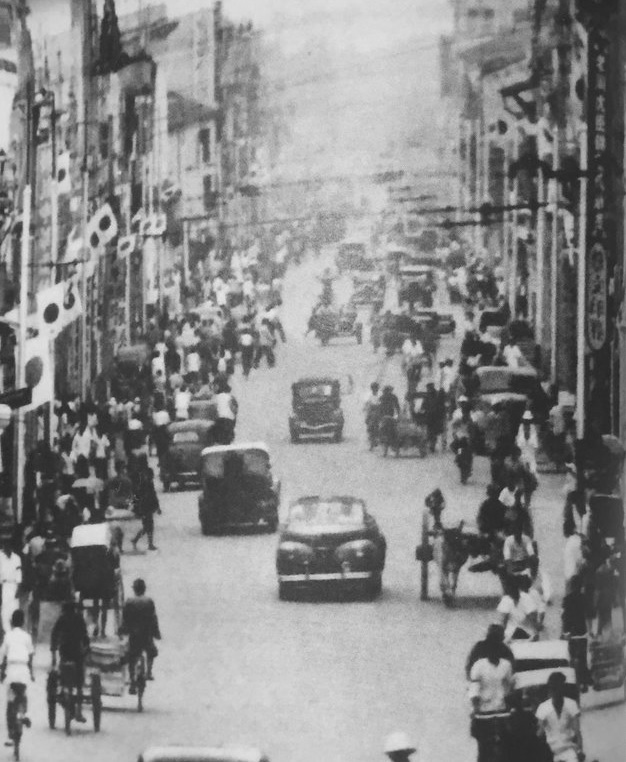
<point>179,437</point>
<point>315,391</point>
<point>340,512</point>
<point>233,465</point>
<point>496,381</point>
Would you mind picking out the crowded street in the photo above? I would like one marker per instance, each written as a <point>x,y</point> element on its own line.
<point>311,679</point>
<point>312,380</point>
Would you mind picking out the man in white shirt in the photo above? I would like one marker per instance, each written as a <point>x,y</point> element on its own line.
<point>519,612</point>
<point>559,721</point>
<point>16,662</point>
<point>193,365</point>
<point>226,408</point>
<point>10,579</point>
<point>513,355</point>
<point>182,398</point>
<point>518,552</point>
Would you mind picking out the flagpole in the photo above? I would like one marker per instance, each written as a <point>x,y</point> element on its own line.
<point>581,293</point>
<point>514,239</point>
<point>541,228</point>
<point>21,347</point>
<point>554,263</point>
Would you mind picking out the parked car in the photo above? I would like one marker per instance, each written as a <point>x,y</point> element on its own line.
<point>329,323</point>
<point>330,541</point>
<point>187,440</point>
<point>316,406</point>
<point>238,488</point>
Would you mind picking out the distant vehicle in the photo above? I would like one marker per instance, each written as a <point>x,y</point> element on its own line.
<point>353,255</point>
<point>316,406</point>
<point>187,440</point>
<point>502,397</point>
<point>132,374</point>
<point>329,323</point>
<point>202,754</point>
<point>238,488</point>
<point>330,541</point>
<point>443,322</point>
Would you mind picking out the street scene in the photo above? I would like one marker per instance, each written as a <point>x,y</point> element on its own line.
<point>312,397</point>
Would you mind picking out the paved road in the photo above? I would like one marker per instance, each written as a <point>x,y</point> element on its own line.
<point>310,681</point>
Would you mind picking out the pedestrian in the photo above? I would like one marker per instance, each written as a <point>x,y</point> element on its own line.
<point>193,365</point>
<point>528,442</point>
<point>491,684</point>
<point>559,721</point>
<point>398,747</point>
<point>265,347</point>
<point>226,408</point>
<point>146,503</point>
<point>141,624</point>
<point>160,421</point>
<point>246,346</point>
<point>10,580</point>
<point>493,640</point>
<point>433,415</point>
<point>102,449</point>
<point>16,665</point>
<point>518,552</point>
<point>81,449</point>
<point>182,399</point>
<point>518,610</point>
<point>512,354</point>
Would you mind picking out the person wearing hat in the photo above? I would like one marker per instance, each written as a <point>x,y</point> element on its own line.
<point>528,442</point>
<point>398,747</point>
<point>559,722</point>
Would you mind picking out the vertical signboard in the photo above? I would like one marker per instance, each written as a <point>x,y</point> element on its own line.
<point>600,250</point>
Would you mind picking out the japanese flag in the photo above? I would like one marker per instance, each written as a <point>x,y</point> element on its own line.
<point>39,374</point>
<point>72,305</point>
<point>50,310</point>
<point>126,246</point>
<point>64,185</point>
<point>102,227</point>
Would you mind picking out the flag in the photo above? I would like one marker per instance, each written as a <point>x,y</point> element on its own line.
<point>72,305</point>
<point>102,227</point>
<point>64,184</point>
<point>126,245</point>
<point>50,310</point>
<point>39,375</point>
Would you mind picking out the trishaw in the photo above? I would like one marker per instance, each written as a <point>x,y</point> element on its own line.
<point>238,489</point>
<point>407,431</point>
<point>329,323</point>
<point>186,441</point>
<point>132,374</point>
<point>534,662</point>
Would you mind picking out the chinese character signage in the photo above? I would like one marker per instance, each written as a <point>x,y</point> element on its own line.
<point>599,261</point>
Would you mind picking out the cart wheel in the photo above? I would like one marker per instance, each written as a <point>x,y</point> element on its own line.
<point>425,555</point>
<point>51,692</point>
<point>96,700</point>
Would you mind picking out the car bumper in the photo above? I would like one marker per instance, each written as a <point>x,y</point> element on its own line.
<point>306,578</point>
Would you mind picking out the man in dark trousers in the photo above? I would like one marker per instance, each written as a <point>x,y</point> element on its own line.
<point>141,624</point>
<point>146,503</point>
<point>70,640</point>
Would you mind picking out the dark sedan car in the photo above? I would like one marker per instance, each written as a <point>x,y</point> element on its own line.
<point>316,406</point>
<point>330,541</point>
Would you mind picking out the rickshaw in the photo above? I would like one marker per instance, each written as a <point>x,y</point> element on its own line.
<point>407,431</point>
<point>187,440</point>
<point>534,663</point>
<point>238,489</point>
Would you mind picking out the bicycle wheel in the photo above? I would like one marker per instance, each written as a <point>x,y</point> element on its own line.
<point>140,679</point>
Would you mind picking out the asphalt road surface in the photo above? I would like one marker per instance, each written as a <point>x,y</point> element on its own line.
<point>308,681</point>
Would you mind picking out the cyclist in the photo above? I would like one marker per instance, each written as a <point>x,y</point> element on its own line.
<point>71,641</point>
<point>16,657</point>
<point>141,624</point>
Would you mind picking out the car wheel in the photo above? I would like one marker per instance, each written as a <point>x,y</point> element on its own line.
<point>272,524</point>
<point>284,593</point>
<point>375,586</point>
<point>207,528</point>
<point>295,439</point>
<point>338,435</point>
<point>166,484</point>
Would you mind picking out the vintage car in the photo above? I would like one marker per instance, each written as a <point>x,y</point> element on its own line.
<point>202,754</point>
<point>316,406</point>
<point>187,440</point>
<point>238,489</point>
<point>132,374</point>
<point>332,541</point>
<point>443,322</point>
<point>502,396</point>
<point>396,329</point>
<point>330,323</point>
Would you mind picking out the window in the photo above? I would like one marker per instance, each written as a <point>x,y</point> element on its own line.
<point>204,138</point>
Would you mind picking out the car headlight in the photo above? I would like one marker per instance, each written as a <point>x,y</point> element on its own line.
<point>357,549</point>
<point>294,551</point>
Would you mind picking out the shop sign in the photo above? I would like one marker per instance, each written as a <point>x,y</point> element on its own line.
<point>598,254</point>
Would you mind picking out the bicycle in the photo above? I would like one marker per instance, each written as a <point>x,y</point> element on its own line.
<point>16,716</point>
<point>138,678</point>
